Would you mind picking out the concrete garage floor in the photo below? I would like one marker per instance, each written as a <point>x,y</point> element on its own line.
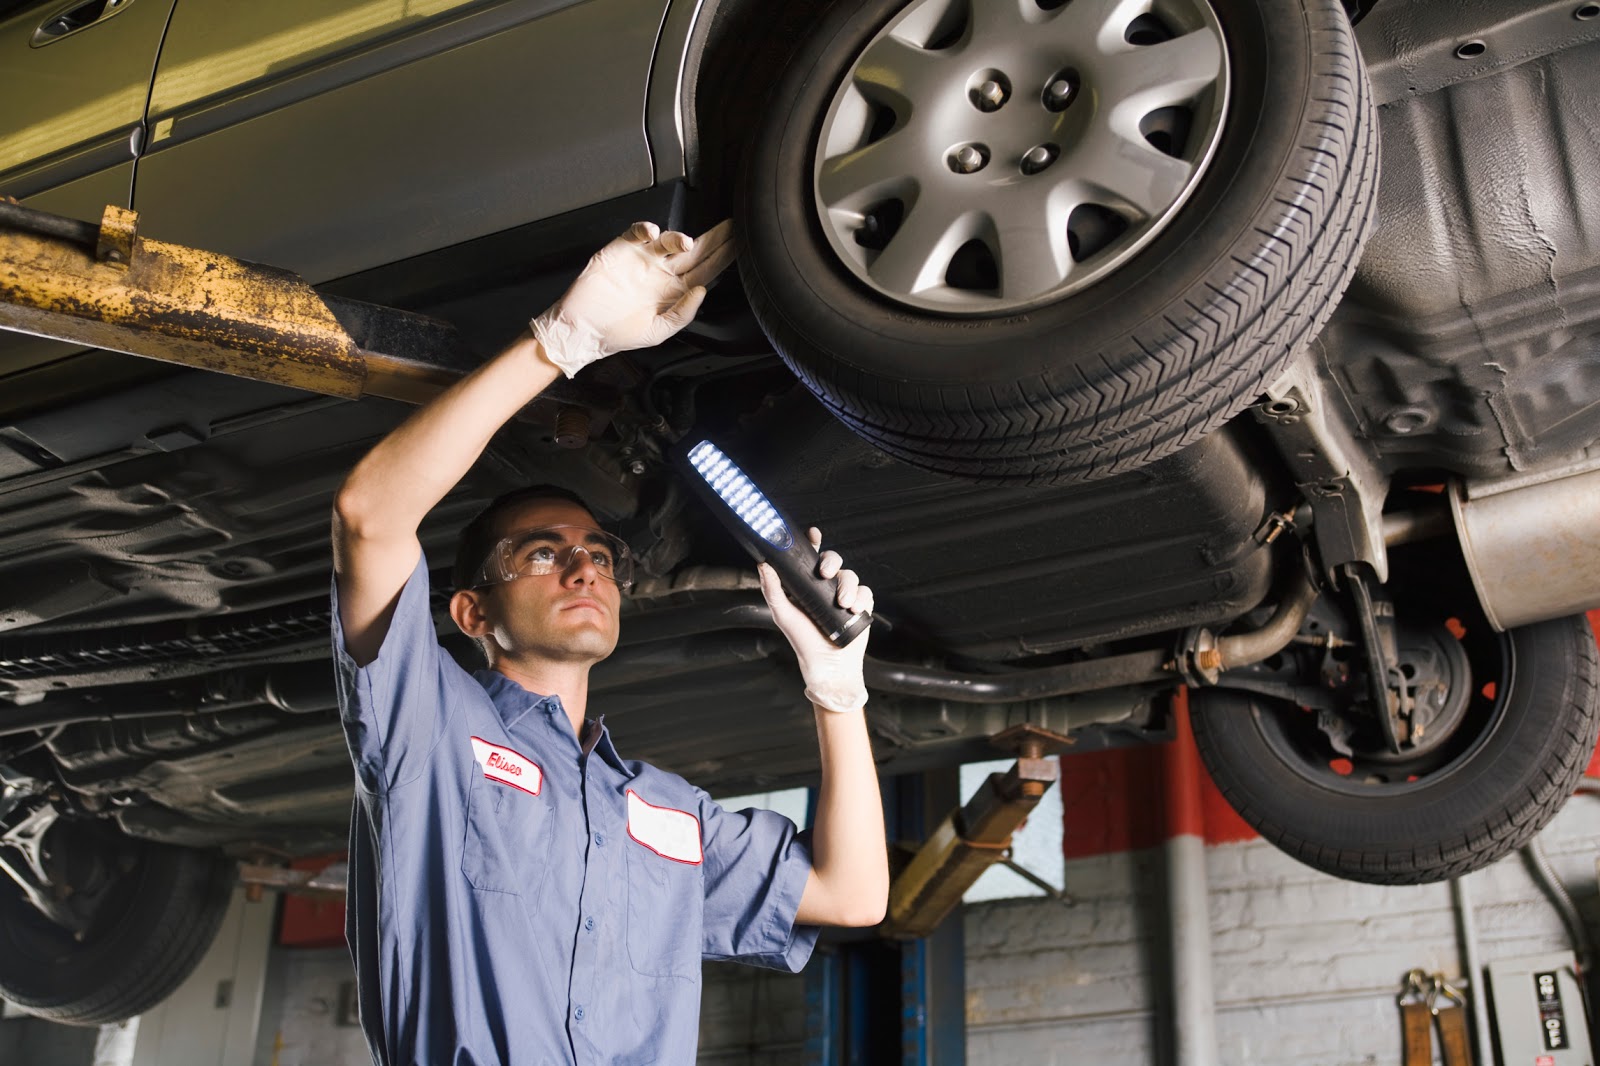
<point>1306,969</point>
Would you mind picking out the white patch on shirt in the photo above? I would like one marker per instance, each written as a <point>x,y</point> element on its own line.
<point>508,767</point>
<point>670,833</point>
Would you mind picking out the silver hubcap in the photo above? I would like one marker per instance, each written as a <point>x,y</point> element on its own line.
<point>985,156</point>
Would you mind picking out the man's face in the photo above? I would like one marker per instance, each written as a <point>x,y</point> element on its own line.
<point>570,615</point>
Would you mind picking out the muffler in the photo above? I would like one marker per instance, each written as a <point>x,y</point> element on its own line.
<point>1532,544</point>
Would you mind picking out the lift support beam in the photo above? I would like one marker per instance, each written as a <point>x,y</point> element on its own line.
<point>973,837</point>
<point>108,287</point>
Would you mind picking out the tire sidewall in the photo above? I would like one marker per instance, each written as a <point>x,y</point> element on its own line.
<point>831,322</point>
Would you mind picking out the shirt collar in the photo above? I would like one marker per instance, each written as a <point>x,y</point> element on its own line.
<point>608,750</point>
<point>514,702</point>
<point>511,699</point>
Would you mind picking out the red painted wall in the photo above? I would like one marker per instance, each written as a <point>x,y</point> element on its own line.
<point>1116,800</point>
<point>312,921</point>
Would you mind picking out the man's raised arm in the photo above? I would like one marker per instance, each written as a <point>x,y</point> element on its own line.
<point>636,292</point>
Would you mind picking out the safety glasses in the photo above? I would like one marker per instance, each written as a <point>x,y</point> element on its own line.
<point>553,549</point>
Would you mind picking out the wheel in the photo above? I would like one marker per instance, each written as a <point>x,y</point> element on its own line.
<point>158,910</point>
<point>1047,241</point>
<point>1511,723</point>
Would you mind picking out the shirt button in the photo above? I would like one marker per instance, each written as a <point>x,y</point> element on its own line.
<point>588,923</point>
<point>600,840</point>
<point>578,1014</point>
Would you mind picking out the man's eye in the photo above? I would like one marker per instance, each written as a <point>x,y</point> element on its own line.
<point>602,559</point>
<point>544,555</point>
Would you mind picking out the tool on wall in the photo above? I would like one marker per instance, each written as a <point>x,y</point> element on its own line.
<point>1428,1001</point>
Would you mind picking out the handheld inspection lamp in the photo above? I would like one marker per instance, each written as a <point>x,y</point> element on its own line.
<point>770,537</point>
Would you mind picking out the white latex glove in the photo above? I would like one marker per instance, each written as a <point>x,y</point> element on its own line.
<point>833,676</point>
<point>635,293</point>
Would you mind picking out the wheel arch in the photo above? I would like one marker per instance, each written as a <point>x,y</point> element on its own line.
<point>708,82</point>
<point>694,37</point>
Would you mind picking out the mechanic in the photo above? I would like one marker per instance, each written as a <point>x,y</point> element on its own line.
<point>518,892</point>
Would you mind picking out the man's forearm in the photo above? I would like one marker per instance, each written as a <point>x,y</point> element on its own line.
<point>413,468</point>
<point>849,856</point>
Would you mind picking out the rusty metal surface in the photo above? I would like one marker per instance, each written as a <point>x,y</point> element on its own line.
<point>932,885</point>
<point>119,230</point>
<point>200,309</point>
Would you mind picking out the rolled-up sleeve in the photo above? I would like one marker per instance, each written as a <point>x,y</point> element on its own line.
<point>394,709</point>
<point>756,866</point>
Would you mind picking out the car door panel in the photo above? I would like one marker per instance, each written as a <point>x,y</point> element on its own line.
<point>358,143</point>
<point>74,103</point>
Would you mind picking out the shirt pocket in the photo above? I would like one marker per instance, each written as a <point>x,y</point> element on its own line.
<point>664,905</point>
<point>507,843</point>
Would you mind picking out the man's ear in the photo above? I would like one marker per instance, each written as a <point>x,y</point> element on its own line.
<point>466,609</point>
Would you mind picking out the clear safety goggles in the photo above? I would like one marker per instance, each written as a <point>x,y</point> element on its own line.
<point>552,549</point>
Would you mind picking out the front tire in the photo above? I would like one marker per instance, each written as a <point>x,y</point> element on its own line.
<point>1185,326</point>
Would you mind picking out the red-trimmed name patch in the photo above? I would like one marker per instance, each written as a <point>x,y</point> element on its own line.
<point>667,831</point>
<point>507,767</point>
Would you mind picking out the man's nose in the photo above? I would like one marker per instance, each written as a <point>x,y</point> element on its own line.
<point>580,565</point>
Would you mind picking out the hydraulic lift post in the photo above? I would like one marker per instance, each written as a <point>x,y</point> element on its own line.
<point>922,950</point>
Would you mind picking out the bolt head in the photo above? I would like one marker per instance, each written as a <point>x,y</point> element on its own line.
<point>991,94</point>
<point>1037,158</point>
<point>1059,93</point>
<point>967,160</point>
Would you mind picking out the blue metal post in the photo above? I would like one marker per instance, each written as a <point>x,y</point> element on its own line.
<point>933,1024</point>
<point>853,985</point>
<point>824,1009</point>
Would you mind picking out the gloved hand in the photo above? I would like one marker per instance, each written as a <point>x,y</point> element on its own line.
<point>635,293</point>
<point>833,676</point>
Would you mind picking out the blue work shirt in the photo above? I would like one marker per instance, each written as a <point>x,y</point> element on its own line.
<point>514,899</point>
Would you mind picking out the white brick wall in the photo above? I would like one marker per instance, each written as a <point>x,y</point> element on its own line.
<point>751,1017</point>
<point>1305,966</point>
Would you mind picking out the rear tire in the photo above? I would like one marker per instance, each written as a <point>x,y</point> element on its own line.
<point>1522,761</point>
<point>151,931</point>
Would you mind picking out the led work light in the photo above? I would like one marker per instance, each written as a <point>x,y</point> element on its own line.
<point>771,538</point>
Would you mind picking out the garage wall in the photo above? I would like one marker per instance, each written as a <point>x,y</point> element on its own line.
<point>305,1014</point>
<point>1306,966</point>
